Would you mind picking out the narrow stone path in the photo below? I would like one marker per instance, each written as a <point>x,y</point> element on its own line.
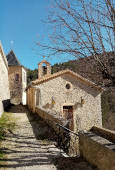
<point>31,146</point>
<point>23,151</point>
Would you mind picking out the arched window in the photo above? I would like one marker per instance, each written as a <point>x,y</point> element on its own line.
<point>17,77</point>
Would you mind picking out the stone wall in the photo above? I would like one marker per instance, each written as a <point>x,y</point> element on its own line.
<point>106,133</point>
<point>1,107</point>
<point>24,84</point>
<point>15,84</point>
<point>68,141</point>
<point>4,83</point>
<point>50,118</point>
<point>40,69</point>
<point>86,114</point>
<point>31,96</point>
<point>97,150</point>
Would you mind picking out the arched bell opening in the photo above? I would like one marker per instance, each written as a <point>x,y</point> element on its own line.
<point>44,69</point>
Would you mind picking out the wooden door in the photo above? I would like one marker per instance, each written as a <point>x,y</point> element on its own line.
<point>68,115</point>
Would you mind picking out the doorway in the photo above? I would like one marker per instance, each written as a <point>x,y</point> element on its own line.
<point>68,115</point>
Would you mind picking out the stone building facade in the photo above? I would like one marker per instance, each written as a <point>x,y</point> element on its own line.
<point>17,79</point>
<point>68,95</point>
<point>4,83</point>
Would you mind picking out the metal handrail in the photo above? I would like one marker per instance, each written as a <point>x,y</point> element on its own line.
<point>67,129</point>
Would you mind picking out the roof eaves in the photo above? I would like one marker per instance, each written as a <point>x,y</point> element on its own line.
<point>84,80</point>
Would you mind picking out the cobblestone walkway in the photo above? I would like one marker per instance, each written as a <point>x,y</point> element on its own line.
<point>23,150</point>
<point>31,146</point>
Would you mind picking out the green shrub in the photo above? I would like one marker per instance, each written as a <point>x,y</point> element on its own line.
<point>6,123</point>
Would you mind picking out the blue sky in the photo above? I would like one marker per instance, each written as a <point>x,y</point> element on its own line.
<point>21,25</point>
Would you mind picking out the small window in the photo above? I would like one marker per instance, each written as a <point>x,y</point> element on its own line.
<point>17,77</point>
<point>68,86</point>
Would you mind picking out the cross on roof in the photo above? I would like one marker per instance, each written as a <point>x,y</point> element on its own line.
<point>11,44</point>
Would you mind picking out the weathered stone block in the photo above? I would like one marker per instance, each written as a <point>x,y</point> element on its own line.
<point>97,151</point>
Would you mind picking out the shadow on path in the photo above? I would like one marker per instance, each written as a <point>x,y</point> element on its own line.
<point>31,146</point>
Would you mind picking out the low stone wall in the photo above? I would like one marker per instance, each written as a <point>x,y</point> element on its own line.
<point>50,118</point>
<point>106,133</point>
<point>69,142</point>
<point>97,150</point>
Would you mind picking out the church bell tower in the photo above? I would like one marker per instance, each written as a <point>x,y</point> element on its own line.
<point>44,69</point>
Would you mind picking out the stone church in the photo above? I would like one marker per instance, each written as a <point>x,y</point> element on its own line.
<point>17,79</point>
<point>67,94</point>
<point>4,83</point>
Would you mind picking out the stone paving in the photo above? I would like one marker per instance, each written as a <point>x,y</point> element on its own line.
<point>28,147</point>
<point>24,151</point>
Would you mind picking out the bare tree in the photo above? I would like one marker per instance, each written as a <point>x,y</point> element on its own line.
<point>83,28</point>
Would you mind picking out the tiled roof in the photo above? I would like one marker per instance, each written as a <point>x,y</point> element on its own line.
<point>75,75</point>
<point>12,59</point>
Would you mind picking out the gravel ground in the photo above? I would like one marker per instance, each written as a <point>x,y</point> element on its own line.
<point>29,146</point>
